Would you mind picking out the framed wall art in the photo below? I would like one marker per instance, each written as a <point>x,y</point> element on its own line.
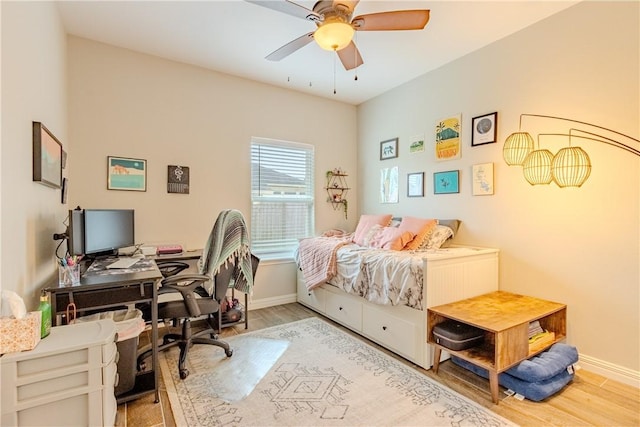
<point>482,175</point>
<point>389,185</point>
<point>446,182</point>
<point>65,191</point>
<point>47,157</point>
<point>389,149</point>
<point>416,144</point>
<point>485,129</point>
<point>415,184</point>
<point>448,138</point>
<point>178,179</point>
<point>126,174</point>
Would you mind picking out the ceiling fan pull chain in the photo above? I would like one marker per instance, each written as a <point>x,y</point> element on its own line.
<point>355,56</point>
<point>334,72</point>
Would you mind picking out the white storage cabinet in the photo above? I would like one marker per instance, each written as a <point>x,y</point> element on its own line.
<point>67,380</point>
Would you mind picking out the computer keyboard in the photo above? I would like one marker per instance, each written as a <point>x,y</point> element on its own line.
<point>123,262</point>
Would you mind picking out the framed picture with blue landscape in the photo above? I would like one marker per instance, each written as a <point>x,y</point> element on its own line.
<point>126,174</point>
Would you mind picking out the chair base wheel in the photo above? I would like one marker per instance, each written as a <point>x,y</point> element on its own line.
<point>229,352</point>
<point>184,373</point>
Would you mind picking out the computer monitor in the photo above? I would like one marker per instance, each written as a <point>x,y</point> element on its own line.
<point>75,232</point>
<point>98,232</point>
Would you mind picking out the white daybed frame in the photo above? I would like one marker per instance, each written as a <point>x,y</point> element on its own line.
<point>450,275</point>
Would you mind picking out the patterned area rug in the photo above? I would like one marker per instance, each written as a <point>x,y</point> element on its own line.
<point>309,373</point>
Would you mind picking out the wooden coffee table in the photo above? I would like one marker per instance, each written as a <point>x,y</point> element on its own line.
<point>505,318</point>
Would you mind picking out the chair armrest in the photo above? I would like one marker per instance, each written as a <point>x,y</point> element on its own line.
<point>171,268</point>
<point>186,284</point>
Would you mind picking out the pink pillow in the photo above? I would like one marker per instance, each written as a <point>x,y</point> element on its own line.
<point>391,238</point>
<point>365,223</point>
<point>420,229</point>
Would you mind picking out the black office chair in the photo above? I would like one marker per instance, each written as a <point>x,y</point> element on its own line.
<point>229,237</point>
<point>195,302</point>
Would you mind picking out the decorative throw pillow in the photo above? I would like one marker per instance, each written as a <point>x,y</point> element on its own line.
<point>395,221</point>
<point>390,238</point>
<point>365,223</point>
<point>453,224</point>
<point>371,234</point>
<point>437,237</point>
<point>419,227</point>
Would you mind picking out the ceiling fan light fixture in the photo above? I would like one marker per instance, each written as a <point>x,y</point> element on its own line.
<point>334,35</point>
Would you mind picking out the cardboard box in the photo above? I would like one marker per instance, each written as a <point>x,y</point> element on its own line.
<point>20,334</point>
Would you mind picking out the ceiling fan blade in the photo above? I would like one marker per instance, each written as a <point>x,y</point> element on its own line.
<point>349,4</point>
<point>290,47</point>
<point>390,21</point>
<point>350,56</point>
<point>290,8</point>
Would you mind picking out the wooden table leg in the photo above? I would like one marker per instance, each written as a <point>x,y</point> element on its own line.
<point>436,359</point>
<point>493,385</point>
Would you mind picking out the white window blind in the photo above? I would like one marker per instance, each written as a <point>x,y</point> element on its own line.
<point>281,196</point>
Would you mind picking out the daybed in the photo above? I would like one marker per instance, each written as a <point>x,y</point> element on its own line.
<point>382,293</point>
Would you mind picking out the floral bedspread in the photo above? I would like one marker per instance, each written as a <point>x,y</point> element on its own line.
<point>381,276</point>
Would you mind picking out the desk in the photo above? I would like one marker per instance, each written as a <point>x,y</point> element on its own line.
<point>98,292</point>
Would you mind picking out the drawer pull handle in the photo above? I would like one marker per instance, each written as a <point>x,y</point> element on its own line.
<point>384,328</point>
<point>309,293</point>
<point>340,309</point>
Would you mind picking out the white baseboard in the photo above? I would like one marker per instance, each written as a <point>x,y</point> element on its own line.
<point>610,370</point>
<point>255,304</point>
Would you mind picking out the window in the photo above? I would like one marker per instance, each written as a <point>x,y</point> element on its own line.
<point>281,196</point>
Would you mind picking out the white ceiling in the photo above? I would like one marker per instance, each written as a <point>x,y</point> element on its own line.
<point>234,36</point>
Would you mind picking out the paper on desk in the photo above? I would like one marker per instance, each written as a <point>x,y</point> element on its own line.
<point>12,305</point>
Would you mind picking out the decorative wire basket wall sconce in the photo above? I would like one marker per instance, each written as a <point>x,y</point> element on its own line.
<point>569,167</point>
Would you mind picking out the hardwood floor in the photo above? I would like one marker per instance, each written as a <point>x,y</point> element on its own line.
<point>590,400</point>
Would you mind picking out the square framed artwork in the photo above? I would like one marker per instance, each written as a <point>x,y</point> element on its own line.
<point>389,149</point>
<point>47,157</point>
<point>446,182</point>
<point>485,129</point>
<point>124,173</point>
<point>415,184</point>
<point>482,175</point>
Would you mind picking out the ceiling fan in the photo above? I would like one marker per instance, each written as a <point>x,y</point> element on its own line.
<point>336,26</point>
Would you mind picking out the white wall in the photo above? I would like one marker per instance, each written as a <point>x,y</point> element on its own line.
<point>123,103</point>
<point>577,246</point>
<point>33,89</point>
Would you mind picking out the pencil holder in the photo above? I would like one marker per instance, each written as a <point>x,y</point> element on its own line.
<point>69,275</point>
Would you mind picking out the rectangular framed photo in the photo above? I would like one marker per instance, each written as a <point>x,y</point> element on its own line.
<point>446,182</point>
<point>448,140</point>
<point>178,179</point>
<point>47,157</point>
<point>482,175</point>
<point>485,129</point>
<point>389,149</point>
<point>415,184</point>
<point>389,185</point>
<point>126,174</point>
<point>416,145</point>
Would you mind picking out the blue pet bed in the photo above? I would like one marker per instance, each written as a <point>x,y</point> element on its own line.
<point>536,378</point>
